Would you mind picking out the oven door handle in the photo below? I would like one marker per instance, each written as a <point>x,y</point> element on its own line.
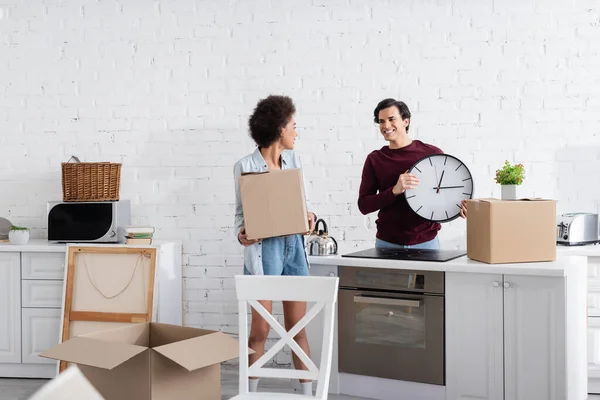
<point>388,301</point>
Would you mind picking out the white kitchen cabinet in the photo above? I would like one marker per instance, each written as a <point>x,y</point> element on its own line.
<point>594,324</point>
<point>525,341</point>
<point>41,329</point>
<point>593,335</point>
<point>507,333</point>
<point>592,253</point>
<point>474,344</point>
<point>10,307</point>
<point>534,319</point>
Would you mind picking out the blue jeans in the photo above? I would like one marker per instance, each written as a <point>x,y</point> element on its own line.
<point>432,244</point>
<point>283,255</point>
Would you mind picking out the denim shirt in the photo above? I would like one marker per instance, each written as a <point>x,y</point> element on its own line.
<point>256,163</point>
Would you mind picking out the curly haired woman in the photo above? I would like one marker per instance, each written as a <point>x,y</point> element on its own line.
<point>273,129</point>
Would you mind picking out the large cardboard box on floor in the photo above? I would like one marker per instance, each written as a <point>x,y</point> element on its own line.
<point>511,231</point>
<point>151,361</point>
<point>274,203</point>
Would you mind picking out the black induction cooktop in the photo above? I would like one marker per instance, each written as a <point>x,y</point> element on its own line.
<point>408,254</point>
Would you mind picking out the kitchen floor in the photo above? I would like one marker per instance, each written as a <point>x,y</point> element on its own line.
<point>22,389</point>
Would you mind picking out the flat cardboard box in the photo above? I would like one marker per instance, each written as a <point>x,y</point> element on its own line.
<point>150,361</point>
<point>512,231</point>
<point>274,203</point>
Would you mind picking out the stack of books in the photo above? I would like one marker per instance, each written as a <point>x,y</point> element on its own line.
<point>139,234</point>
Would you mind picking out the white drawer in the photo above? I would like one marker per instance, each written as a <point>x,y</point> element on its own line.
<point>41,327</point>
<point>593,292</point>
<point>43,265</point>
<point>42,293</point>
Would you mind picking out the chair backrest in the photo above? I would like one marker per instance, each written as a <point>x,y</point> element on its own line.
<point>70,384</point>
<point>312,289</point>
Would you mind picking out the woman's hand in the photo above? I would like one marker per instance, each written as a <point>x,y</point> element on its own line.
<point>243,238</point>
<point>311,223</point>
<point>463,208</point>
<point>405,181</point>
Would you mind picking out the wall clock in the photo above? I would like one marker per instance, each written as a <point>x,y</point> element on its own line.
<point>444,181</point>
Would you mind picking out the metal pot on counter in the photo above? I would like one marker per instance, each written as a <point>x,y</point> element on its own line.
<point>320,243</point>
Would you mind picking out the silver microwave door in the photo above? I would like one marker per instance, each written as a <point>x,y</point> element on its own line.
<point>394,336</point>
<point>79,221</point>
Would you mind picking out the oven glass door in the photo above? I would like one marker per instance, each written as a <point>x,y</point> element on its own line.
<point>392,335</point>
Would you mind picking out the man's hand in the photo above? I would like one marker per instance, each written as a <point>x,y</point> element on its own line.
<point>463,208</point>
<point>405,181</point>
<point>311,223</point>
<point>243,238</point>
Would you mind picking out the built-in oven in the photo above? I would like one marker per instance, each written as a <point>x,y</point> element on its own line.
<point>391,324</point>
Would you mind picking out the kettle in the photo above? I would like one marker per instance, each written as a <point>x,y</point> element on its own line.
<point>322,244</point>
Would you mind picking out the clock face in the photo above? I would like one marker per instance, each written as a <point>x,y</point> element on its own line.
<point>444,181</point>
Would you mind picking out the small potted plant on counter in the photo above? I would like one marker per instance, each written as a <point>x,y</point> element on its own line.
<point>509,177</point>
<point>18,235</point>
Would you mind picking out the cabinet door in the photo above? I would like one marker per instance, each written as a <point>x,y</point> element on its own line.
<point>593,352</point>
<point>43,265</point>
<point>534,334</point>
<point>10,307</point>
<point>474,342</point>
<point>41,328</point>
<point>593,286</point>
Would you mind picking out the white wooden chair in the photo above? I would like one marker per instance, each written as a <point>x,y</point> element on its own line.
<point>71,384</point>
<point>320,290</point>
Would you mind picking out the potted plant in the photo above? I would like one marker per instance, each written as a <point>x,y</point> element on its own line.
<point>18,235</point>
<point>509,177</point>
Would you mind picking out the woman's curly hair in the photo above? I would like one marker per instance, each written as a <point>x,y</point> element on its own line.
<point>268,118</point>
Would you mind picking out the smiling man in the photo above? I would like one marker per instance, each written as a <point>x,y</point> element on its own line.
<point>385,177</point>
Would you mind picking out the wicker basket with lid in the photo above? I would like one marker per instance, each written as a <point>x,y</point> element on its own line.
<point>90,181</point>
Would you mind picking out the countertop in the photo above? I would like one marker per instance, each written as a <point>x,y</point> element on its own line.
<point>564,262</point>
<point>34,245</point>
<point>592,250</point>
<point>42,245</point>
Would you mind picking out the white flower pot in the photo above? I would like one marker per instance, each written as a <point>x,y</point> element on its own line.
<point>18,237</point>
<point>509,192</point>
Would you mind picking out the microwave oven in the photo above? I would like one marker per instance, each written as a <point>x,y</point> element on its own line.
<point>100,222</point>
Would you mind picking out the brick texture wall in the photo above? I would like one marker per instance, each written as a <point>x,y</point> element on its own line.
<point>165,87</point>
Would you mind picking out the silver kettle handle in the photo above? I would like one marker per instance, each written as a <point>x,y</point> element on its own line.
<point>317,226</point>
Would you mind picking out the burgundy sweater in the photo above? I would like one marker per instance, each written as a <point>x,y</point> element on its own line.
<point>396,222</point>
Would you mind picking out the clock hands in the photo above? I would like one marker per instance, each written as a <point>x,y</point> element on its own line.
<point>440,183</point>
<point>446,187</point>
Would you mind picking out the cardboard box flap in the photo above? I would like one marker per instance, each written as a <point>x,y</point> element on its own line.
<point>137,334</point>
<point>255,173</point>
<point>93,352</point>
<point>162,334</point>
<point>201,351</point>
<point>492,201</point>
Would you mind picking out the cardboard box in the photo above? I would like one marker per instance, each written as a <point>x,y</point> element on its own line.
<point>511,231</point>
<point>150,361</point>
<point>274,203</point>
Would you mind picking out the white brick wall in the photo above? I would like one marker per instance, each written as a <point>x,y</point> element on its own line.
<point>166,88</point>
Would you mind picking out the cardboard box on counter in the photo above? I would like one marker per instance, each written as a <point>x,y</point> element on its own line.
<point>511,231</point>
<point>274,203</point>
<point>150,361</point>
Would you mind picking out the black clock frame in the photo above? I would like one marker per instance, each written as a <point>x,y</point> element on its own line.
<point>441,221</point>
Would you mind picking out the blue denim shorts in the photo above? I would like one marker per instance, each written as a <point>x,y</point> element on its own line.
<point>432,244</point>
<point>283,255</point>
